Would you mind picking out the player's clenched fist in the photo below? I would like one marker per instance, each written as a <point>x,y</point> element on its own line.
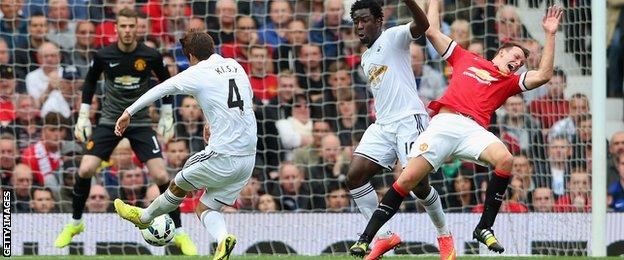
<point>82,130</point>
<point>165,124</point>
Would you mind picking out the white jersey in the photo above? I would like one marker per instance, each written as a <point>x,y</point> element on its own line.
<point>222,89</point>
<point>388,67</point>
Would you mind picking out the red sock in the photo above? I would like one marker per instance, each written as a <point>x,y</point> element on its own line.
<point>502,173</point>
<point>400,190</point>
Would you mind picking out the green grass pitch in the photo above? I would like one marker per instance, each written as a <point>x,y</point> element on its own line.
<point>271,257</point>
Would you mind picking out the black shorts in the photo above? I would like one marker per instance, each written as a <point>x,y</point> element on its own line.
<point>142,140</point>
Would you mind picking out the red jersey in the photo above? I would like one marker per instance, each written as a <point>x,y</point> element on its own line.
<point>477,87</point>
<point>264,88</point>
<point>41,161</point>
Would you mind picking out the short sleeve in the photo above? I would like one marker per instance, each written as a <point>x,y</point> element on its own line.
<point>454,53</point>
<point>521,81</point>
<point>400,36</point>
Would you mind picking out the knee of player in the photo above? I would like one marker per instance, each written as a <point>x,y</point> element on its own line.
<point>505,163</point>
<point>355,179</point>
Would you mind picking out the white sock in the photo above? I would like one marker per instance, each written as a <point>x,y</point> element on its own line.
<point>179,230</point>
<point>366,200</point>
<point>433,205</point>
<point>76,222</point>
<point>163,204</point>
<point>214,222</point>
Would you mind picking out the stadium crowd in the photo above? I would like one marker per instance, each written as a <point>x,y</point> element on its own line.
<point>311,102</point>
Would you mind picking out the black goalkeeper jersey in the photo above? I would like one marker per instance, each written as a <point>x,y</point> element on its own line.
<point>126,78</point>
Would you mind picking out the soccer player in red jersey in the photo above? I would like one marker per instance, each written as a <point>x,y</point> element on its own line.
<point>460,119</point>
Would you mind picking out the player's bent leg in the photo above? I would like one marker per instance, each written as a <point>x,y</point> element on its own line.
<point>82,186</point>
<point>416,169</point>
<point>156,167</point>
<point>360,172</point>
<point>142,218</point>
<point>496,154</point>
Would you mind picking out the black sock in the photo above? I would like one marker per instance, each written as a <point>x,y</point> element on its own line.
<point>494,197</point>
<point>388,206</point>
<point>81,194</point>
<point>175,214</point>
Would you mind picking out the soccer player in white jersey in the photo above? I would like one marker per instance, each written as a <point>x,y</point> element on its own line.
<point>224,93</point>
<point>401,117</point>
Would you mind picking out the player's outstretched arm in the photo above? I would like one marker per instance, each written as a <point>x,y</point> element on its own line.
<point>420,23</point>
<point>550,23</point>
<point>166,88</point>
<point>438,39</point>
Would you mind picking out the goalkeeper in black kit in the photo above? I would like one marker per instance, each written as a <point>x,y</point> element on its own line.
<point>127,66</point>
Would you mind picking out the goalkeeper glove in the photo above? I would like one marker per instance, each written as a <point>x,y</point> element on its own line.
<point>165,124</point>
<point>82,130</point>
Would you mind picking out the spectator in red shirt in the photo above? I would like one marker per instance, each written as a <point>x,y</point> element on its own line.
<point>44,156</point>
<point>552,107</point>
<point>176,21</point>
<point>25,127</point>
<point>578,198</point>
<point>105,32</point>
<point>157,13</point>
<point>7,88</point>
<point>246,35</point>
<point>263,82</point>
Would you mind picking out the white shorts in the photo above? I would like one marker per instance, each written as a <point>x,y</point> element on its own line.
<point>383,144</point>
<point>221,176</point>
<point>452,135</point>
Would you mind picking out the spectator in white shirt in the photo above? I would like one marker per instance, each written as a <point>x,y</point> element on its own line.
<point>38,81</point>
<point>296,130</point>
<point>62,98</point>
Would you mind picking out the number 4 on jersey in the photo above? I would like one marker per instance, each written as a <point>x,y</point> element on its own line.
<point>234,90</point>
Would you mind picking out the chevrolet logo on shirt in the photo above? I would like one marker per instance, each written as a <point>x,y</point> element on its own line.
<point>127,82</point>
<point>483,76</point>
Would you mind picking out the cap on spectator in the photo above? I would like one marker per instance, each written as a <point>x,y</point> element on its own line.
<point>70,72</point>
<point>71,148</point>
<point>6,72</point>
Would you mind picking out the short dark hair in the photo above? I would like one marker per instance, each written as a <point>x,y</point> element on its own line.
<point>337,66</point>
<point>54,119</point>
<point>512,44</point>
<point>372,5</point>
<point>40,188</point>
<point>557,72</point>
<point>127,12</point>
<point>198,43</point>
